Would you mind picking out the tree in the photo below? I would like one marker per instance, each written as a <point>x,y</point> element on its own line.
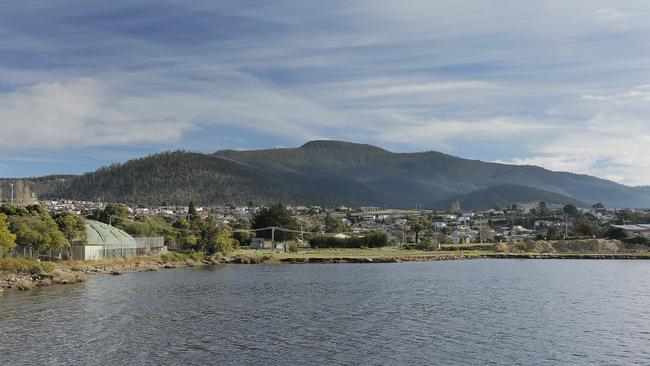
<point>418,227</point>
<point>541,210</point>
<point>13,210</point>
<point>115,214</point>
<point>37,232</point>
<point>223,242</point>
<point>570,210</point>
<point>455,207</point>
<point>584,228</point>
<point>553,233</point>
<point>7,238</point>
<point>190,241</point>
<point>191,212</point>
<point>486,233</point>
<point>275,216</point>
<point>615,233</point>
<point>598,206</point>
<point>73,228</point>
<point>334,225</point>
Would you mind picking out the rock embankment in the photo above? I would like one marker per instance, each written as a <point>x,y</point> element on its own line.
<point>604,246</point>
<point>75,272</point>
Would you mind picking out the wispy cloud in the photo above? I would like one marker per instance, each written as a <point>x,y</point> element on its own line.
<point>79,113</point>
<point>409,89</point>
<point>549,83</point>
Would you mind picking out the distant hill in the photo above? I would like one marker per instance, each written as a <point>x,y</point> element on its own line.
<point>504,196</point>
<point>329,173</point>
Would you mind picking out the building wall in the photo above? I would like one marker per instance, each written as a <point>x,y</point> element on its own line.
<point>88,252</point>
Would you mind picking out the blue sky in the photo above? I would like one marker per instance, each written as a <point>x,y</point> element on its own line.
<point>561,84</point>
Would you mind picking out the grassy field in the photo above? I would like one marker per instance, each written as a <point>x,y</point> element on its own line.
<point>386,252</point>
<point>464,251</point>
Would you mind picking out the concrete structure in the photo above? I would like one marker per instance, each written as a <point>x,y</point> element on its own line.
<point>259,243</point>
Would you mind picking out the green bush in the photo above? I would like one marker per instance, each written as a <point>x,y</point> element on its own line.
<point>47,266</point>
<point>174,257</point>
<point>424,246</point>
<point>521,246</point>
<point>293,247</point>
<point>20,265</point>
<point>637,240</point>
<point>197,256</point>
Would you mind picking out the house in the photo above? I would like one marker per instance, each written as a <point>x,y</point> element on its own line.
<point>463,236</point>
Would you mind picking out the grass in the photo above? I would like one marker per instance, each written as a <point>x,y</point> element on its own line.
<point>386,252</point>
<point>466,250</point>
<point>24,266</point>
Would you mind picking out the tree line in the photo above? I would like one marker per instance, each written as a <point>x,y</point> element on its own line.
<point>37,231</point>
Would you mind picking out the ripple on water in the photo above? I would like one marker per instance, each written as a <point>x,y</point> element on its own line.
<point>465,312</point>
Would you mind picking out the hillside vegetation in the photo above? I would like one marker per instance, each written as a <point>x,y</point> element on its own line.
<point>331,173</point>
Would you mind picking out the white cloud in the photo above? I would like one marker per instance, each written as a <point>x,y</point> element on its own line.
<point>446,133</point>
<point>612,143</point>
<point>613,18</point>
<point>544,82</point>
<point>639,94</point>
<point>77,113</point>
<point>408,89</point>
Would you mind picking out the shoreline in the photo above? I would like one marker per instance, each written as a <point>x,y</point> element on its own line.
<point>75,272</point>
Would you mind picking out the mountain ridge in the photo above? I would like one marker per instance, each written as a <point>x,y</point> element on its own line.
<point>325,172</point>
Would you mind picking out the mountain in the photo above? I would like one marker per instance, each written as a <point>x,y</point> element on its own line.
<point>328,173</point>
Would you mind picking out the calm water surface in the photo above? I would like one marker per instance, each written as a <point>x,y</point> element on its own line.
<point>462,312</point>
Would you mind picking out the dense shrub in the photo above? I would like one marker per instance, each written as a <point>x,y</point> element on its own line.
<point>501,248</point>
<point>20,265</point>
<point>637,240</point>
<point>47,266</point>
<point>293,247</point>
<point>174,257</point>
<point>373,240</point>
<point>197,256</point>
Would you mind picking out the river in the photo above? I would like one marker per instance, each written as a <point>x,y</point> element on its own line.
<point>470,312</point>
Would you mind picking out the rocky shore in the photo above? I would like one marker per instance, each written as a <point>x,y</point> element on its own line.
<point>69,273</point>
<point>74,272</point>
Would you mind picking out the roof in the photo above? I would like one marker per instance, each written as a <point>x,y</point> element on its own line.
<point>639,227</point>
<point>107,235</point>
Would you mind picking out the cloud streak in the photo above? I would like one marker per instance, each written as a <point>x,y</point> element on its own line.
<point>556,83</point>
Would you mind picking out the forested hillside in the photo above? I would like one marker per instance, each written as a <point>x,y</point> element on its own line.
<point>329,173</point>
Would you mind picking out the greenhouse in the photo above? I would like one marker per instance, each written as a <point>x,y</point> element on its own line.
<point>106,241</point>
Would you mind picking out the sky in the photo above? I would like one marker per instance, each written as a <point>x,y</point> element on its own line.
<point>560,84</point>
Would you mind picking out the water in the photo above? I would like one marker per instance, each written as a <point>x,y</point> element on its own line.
<point>461,312</point>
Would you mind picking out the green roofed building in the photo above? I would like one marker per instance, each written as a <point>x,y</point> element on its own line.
<point>106,241</point>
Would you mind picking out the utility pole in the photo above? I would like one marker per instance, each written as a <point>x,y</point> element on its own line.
<point>566,227</point>
<point>435,236</point>
<point>12,193</point>
<point>272,239</point>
